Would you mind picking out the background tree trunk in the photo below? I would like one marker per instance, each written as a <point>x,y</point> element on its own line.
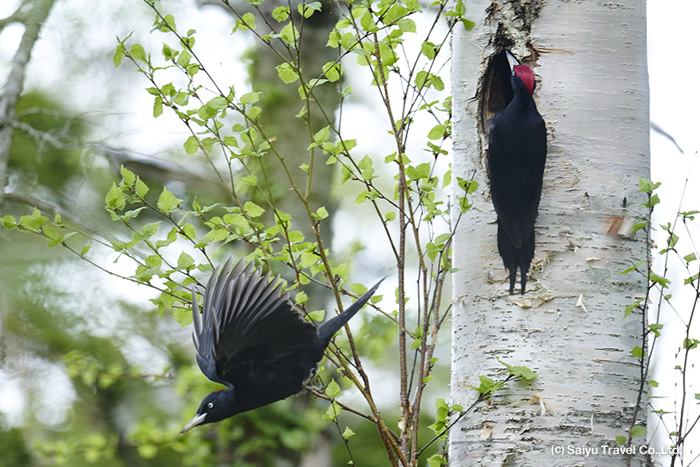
<point>592,90</point>
<point>32,17</point>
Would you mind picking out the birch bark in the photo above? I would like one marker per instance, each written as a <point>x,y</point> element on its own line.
<point>592,90</point>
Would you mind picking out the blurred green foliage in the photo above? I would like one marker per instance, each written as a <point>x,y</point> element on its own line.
<point>46,148</point>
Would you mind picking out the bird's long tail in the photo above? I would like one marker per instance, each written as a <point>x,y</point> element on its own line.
<point>330,327</point>
<point>514,257</point>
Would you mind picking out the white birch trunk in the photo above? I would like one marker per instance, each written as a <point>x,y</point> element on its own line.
<point>592,90</point>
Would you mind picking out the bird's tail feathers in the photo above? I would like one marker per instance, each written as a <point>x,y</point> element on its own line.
<point>516,258</point>
<point>330,327</point>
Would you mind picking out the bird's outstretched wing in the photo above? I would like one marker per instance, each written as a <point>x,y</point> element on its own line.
<point>246,322</point>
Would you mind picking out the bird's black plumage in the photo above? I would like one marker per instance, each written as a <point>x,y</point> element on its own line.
<point>516,159</point>
<point>252,339</point>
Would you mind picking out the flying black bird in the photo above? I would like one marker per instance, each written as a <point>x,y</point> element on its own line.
<point>516,157</point>
<point>251,338</point>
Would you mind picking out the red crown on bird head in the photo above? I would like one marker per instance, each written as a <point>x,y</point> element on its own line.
<point>526,76</point>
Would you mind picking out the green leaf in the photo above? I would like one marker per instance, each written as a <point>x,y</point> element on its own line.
<point>286,73</point>
<point>621,439</point>
<point>332,71</point>
<point>141,188</point>
<point>250,180</point>
<point>289,34</point>
<point>653,201</point>
<point>437,132</point>
<point>114,199</point>
<point>184,59</point>
<point>185,261</point>
<point>468,25</point>
<point>182,316</point>
<point>358,288</point>
<point>647,186</point>
<point>316,316</point>
<point>640,225</point>
<point>322,135</point>
<point>137,52</point>
<point>662,281</point>
<point>634,267</point>
<point>333,390</point>
<point>348,433</point>
<point>333,411</point>
<point>188,231</point>
<point>250,98</point>
<point>308,259</point>
<point>191,145</point>
<point>247,21</point>
<point>167,202</point>
<point>252,209</point>
<point>361,197</point>
<point>438,84</point>
<point>631,307</point>
<point>281,13</point>
<point>437,460</point>
<point>638,431</point>
<point>429,49</point>
<point>154,261</point>
<point>637,352</point>
<point>8,222</point>
<point>522,371</point>
<point>367,22</point>
<point>158,107</point>
<point>128,176</point>
<point>150,229</point>
<point>321,213</point>
<point>215,235</point>
<point>168,52</point>
<point>118,55</point>
<point>308,9</point>
<point>167,24</point>
<point>301,298</point>
<point>172,236</point>
<point>487,386</point>
<point>406,25</point>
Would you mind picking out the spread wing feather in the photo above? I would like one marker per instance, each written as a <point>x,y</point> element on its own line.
<point>246,323</point>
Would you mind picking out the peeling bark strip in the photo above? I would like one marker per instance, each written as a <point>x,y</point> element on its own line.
<point>33,20</point>
<point>592,90</point>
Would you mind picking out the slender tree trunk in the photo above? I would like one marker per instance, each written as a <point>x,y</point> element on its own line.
<point>589,59</point>
<point>33,18</point>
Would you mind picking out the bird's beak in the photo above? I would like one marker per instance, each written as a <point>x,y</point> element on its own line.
<point>512,61</point>
<point>197,420</point>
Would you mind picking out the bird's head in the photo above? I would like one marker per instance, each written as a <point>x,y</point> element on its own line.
<point>526,76</point>
<point>215,407</point>
<point>522,71</point>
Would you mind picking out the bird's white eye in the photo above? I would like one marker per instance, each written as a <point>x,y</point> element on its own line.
<point>210,405</point>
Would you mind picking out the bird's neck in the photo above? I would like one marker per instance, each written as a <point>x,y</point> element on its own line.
<point>227,396</point>
<point>522,101</point>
